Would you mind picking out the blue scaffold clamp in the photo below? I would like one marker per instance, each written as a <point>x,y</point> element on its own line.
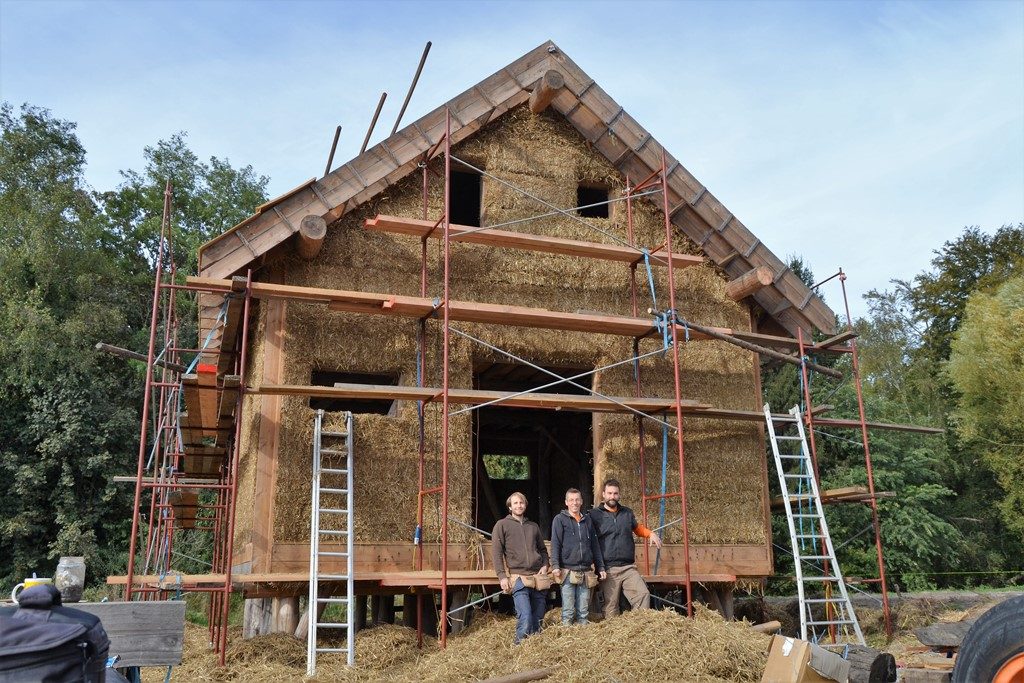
<point>417,537</point>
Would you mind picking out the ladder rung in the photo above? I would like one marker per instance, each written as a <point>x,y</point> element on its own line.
<point>801,514</point>
<point>788,438</point>
<point>786,456</point>
<point>325,490</point>
<point>808,536</point>
<point>330,624</point>
<point>334,511</point>
<point>819,578</point>
<point>839,622</point>
<point>797,476</point>
<point>332,470</point>
<point>331,553</point>
<point>332,600</point>
<point>333,451</point>
<point>817,557</point>
<point>332,649</point>
<point>333,532</point>
<point>332,577</point>
<point>338,434</point>
<point>823,600</point>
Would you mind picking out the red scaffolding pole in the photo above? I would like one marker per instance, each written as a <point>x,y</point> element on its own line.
<point>160,464</point>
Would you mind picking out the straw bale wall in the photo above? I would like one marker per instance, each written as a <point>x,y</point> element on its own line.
<point>545,156</point>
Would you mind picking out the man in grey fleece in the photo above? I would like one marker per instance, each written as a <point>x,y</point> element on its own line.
<point>521,563</point>
<point>574,550</point>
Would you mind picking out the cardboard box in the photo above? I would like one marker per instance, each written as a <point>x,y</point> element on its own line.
<point>791,660</point>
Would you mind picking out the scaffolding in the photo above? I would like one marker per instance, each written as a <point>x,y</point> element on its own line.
<point>188,443</point>
<point>197,450</point>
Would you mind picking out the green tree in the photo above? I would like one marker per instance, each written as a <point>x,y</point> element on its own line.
<point>209,198</point>
<point>987,370</point>
<point>68,416</point>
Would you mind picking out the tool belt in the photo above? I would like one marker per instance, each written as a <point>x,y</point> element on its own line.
<point>577,577</point>
<point>540,582</point>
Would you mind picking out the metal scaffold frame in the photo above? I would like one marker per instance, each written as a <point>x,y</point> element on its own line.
<point>179,437</point>
<point>668,318</point>
<point>812,422</point>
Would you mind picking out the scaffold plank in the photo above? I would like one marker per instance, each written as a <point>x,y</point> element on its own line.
<point>228,402</point>
<point>520,240</point>
<point>476,397</point>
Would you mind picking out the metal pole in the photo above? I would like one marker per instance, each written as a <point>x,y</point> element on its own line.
<point>421,406</point>
<point>444,371</point>
<point>678,383</point>
<point>867,463</point>
<point>145,399</point>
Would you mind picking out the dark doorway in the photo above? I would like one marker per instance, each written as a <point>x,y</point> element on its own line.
<point>538,452</point>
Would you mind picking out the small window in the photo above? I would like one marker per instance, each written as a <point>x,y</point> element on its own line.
<point>587,196</point>
<point>513,467</point>
<point>320,378</point>
<point>466,191</point>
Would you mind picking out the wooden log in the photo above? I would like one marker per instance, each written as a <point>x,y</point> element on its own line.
<point>302,629</point>
<point>523,676</point>
<point>944,634</point>
<point>457,620</point>
<point>144,633</point>
<point>868,665</point>
<point>287,615</point>
<point>748,283</point>
<point>767,627</point>
<point>545,90</point>
<point>125,353</point>
<point>312,230</point>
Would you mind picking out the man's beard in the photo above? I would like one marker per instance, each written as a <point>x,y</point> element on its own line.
<point>612,503</point>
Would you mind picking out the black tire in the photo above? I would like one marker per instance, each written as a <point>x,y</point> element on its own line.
<point>996,637</point>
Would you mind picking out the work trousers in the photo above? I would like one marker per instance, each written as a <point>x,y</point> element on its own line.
<point>624,581</point>
<point>529,604</point>
<point>575,601</point>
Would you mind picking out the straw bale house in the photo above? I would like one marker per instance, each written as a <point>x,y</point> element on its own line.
<point>579,149</point>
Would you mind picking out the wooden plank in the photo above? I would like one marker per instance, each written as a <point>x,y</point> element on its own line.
<point>228,404</point>
<point>840,338</point>
<point>146,633</point>
<point>232,325</point>
<point>270,421</point>
<point>846,494</point>
<point>521,240</point>
<point>197,424</point>
<point>746,560</point>
<point>477,396</point>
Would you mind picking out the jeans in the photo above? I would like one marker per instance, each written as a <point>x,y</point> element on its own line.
<point>529,604</point>
<point>575,601</point>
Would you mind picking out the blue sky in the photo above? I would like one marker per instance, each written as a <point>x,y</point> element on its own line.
<point>856,134</point>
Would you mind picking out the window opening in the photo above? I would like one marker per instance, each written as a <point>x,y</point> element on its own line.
<point>465,198</point>
<point>590,194</point>
<point>375,406</point>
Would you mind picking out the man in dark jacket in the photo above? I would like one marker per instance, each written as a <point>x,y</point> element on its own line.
<point>574,552</point>
<point>521,563</point>
<point>615,525</point>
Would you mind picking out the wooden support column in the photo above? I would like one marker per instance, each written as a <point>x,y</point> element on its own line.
<point>302,629</point>
<point>312,230</point>
<point>270,423</point>
<point>287,612</point>
<point>545,90</point>
<point>457,622</point>
<point>257,617</point>
<point>359,618</point>
<point>748,283</point>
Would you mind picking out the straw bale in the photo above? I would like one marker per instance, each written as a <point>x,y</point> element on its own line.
<point>547,157</point>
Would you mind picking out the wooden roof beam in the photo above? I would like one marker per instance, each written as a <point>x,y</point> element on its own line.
<point>545,90</point>
<point>748,283</point>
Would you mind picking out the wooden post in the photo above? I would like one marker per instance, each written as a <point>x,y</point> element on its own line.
<point>287,615</point>
<point>359,618</point>
<point>748,283</point>
<point>302,629</point>
<point>312,230</point>
<point>257,617</point>
<point>457,621</point>
<point>270,420</point>
<point>545,90</point>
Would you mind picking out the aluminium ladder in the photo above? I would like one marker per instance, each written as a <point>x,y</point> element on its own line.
<point>823,615</point>
<point>331,501</point>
